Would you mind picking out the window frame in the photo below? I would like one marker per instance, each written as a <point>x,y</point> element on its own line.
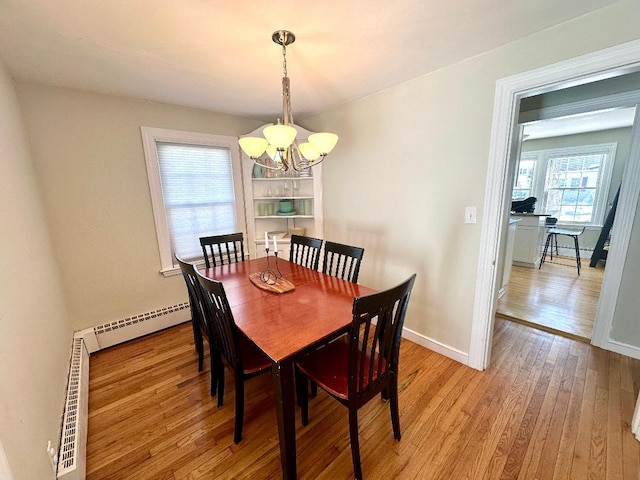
<point>543,159</point>
<point>150,137</point>
<point>528,156</point>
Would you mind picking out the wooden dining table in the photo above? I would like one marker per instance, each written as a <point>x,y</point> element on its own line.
<point>284,325</point>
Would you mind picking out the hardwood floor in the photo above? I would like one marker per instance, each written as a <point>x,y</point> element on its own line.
<point>549,407</point>
<point>554,298</point>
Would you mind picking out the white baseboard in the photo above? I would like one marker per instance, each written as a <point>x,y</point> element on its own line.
<point>437,347</point>
<point>621,348</point>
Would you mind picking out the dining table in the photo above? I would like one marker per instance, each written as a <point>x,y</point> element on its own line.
<point>285,325</point>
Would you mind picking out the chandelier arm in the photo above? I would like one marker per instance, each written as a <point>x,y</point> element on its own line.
<point>265,162</point>
<point>302,164</point>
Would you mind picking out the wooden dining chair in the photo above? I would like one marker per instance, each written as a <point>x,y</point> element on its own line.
<point>201,328</point>
<point>238,353</point>
<point>342,261</point>
<point>222,249</point>
<point>363,363</point>
<point>305,251</point>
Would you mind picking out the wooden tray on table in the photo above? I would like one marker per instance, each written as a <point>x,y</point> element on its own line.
<point>280,286</point>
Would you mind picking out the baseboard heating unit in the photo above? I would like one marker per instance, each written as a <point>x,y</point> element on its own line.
<point>113,333</point>
<point>73,442</point>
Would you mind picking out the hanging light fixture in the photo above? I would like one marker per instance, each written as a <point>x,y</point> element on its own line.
<point>279,142</point>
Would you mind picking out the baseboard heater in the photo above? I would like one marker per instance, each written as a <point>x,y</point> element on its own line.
<point>73,441</point>
<point>119,331</point>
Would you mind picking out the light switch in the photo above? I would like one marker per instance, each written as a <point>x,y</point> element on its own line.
<point>469,214</point>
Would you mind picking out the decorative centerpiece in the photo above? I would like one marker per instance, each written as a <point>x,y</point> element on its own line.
<point>269,276</point>
<point>271,279</point>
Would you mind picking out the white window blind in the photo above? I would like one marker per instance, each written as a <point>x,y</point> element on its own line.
<point>197,192</point>
<point>195,183</point>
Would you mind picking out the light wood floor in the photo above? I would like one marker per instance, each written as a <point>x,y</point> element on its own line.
<point>549,407</point>
<point>554,297</point>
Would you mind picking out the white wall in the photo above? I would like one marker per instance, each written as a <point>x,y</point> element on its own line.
<point>35,334</point>
<point>412,157</point>
<point>90,164</point>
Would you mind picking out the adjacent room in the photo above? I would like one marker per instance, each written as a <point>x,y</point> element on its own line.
<point>573,166</point>
<point>138,137</point>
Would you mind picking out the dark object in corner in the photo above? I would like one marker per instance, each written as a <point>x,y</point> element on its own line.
<point>528,205</point>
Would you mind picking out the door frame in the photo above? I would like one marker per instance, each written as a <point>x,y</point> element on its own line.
<point>607,63</point>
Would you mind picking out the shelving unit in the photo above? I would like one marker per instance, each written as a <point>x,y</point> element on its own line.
<point>262,202</point>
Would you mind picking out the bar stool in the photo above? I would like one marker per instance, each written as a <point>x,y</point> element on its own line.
<point>552,238</point>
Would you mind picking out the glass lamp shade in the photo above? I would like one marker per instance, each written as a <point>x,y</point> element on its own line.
<point>323,142</point>
<point>253,146</point>
<point>272,152</point>
<point>280,136</point>
<point>309,152</point>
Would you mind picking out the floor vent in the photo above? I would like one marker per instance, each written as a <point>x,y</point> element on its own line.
<point>72,453</point>
<point>136,326</point>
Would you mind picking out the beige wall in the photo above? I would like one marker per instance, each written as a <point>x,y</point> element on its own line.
<point>90,164</point>
<point>412,157</point>
<point>35,334</point>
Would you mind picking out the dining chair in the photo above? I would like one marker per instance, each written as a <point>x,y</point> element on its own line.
<point>222,249</point>
<point>238,353</point>
<point>342,261</point>
<point>305,251</point>
<point>201,328</point>
<point>361,364</point>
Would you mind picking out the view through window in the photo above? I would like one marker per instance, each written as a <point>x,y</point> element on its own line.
<point>570,184</point>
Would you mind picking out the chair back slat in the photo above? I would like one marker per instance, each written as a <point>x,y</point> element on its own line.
<point>222,249</point>
<point>342,261</point>
<point>305,251</point>
<point>375,334</point>
<point>219,315</point>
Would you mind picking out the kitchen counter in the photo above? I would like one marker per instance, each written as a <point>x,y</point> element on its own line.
<point>529,239</point>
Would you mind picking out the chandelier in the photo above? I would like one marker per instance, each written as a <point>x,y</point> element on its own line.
<point>279,142</point>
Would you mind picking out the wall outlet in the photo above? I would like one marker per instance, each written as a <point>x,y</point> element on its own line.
<point>470,215</point>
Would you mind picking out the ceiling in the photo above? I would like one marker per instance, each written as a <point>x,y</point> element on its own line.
<point>218,55</point>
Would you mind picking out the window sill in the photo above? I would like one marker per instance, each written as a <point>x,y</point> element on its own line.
<point>175,270</point>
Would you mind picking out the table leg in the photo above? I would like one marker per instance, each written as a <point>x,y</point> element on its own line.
<point>283,386</point>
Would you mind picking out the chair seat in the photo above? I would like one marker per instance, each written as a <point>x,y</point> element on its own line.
<point>564,231</point>
<point>328,367</point>
<point>253,359</point>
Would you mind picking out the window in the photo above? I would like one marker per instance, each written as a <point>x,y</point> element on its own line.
<point>196,190</point>
<point>570,184</point>
<point>524,177</point>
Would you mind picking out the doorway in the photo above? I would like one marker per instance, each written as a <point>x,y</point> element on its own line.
<point>573,165</point>
<point>609,63</point>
